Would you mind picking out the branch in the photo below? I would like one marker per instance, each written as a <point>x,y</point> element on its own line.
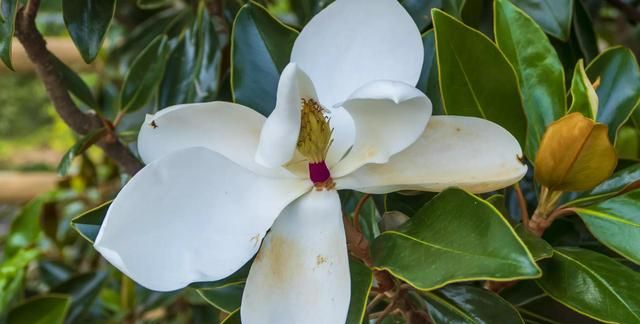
<point>81,123</point>
<point>630,11</point>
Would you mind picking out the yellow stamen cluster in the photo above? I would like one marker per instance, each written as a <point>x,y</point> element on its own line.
<point>315,134</point>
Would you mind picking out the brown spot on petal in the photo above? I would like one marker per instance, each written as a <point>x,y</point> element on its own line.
<point>153,124</point>
<point>279,257</point>
<point>320,260</point>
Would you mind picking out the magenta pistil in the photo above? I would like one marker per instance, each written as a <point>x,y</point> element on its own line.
<point>318,172</point>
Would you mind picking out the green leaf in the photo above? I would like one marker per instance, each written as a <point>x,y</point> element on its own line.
<point>428,81</point>
<point>260,49</point>
<point>619,90</point>
<point>46,309</point>
<point>233,318</point>
<point>628,143</point>
<point>88,22</point>
<point>618,182</point>
<point>226,298</point>
<point>25,228</point>
<point>88,223</point>
<point>616,223</point>
<point>85,142</point>
<point>75,84</point>
<point>54,273</point>
<point>538,247</point>
<point>406,202</point>
<point>420,10</point>
<point>306,9</point>
<point>592,284</point>
<point>361,281</point>
<point>12,273</point>
<point>467,236</point>
<point>584,97</point>
<point>473,73</point>
<point>554,16</point>
<point>144,76</point>
<point>467,304</point>
<point>8,10</point>
<point>584,33</point>
<point>153,4</point>
<point>538,67</point>
<point>368,215</point>
<point>192,68</point>
<point>84,290</point>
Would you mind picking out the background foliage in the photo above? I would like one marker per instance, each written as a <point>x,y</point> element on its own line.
<point>574,260</point>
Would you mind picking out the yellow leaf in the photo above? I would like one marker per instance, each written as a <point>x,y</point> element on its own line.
<point>575,154</point>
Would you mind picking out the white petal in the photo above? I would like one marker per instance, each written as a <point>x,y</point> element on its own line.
<point>354,42</point>
<point>191,216</point>
<point>280,132</point>
<point>388,117</point>
<point>471,153</point>
<point>344,133</point>
<point>227,128</point>
<point>301,274</point>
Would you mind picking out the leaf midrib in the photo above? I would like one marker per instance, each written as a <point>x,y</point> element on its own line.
<point>447,249</point>
<point>602,280</point>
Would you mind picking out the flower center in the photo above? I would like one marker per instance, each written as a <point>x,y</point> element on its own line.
<point>314,141</point>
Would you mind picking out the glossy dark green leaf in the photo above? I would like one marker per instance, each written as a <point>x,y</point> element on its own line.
<point>164,22</point>
<point>226,298</point>
<point>616,223</point>
<point>593,284</point>
<point>83,290</point>
<point>584,33</point>
<point>428,81</point>
<point>53,272</point>
<point>260,50</point>
<point>306,9</point>
<point>84,143</point>
<point>75,84</point>
<point>619,90</point>
<point>8,10</point>
<point>145,75</point>
<point>539,70</point>
<point>618,182</point>
<point>88,223</point>
<point>583,96</point>
<point>499,202</point>
<point>538,247</point>
<point>153,4</point>
<point>467,304</point>
<point>46,309</point>
<point>192,68</point>
<point>233,318</point>
<point>473,73</point>
<point>466,235</point>
<point>554,16</point>
<point>87,22</point>
<point>25,228</point>
<point>420,10</point>
<point>405,202</point>
<point>368,214</point>
<point>361,281</point>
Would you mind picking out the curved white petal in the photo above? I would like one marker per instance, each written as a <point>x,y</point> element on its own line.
<point>190,216</point>
<point>354,42</point>
<point>388,117</point>
<point>230,129</point>
<point>280,132</point>
<point>344,133</point>
<point>301,274</point>
<point>467,152</point>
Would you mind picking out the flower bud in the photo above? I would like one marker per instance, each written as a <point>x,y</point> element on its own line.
<point>575,154</point>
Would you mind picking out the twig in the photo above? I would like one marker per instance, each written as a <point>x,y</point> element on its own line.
<point>81,123</point>
<point>356,211</point>
<point>629,10</point>
<point>522,203</point>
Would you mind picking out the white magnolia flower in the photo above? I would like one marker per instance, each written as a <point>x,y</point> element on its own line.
<point>219,175</point>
